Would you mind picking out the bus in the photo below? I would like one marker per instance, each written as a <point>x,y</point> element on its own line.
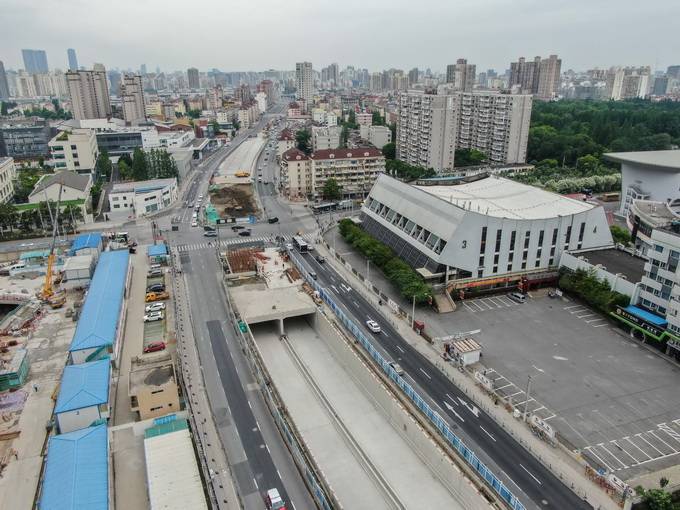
<point>324,208</point>
<point>300,244</point>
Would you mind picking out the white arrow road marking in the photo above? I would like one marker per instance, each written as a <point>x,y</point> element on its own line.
<point>472,409</point>
<point>450,408</point>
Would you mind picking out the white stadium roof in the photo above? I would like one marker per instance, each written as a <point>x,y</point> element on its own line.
<point>503,198</point>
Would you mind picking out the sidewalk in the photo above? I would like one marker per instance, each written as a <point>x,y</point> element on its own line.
<point>569,469</point>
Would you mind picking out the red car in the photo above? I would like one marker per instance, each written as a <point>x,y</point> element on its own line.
<point>154,347</point>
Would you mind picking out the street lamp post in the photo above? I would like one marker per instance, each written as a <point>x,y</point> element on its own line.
<point>368,269</point>
<point>526,402</point>
<point>413,312</point>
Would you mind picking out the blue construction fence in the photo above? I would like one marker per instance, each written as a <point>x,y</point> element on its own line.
<point>432,415</point>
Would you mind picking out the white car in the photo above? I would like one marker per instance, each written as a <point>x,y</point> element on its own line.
<point>154,307</point>
<point>397,368</point>
<point>153,316</point>
<point>373,326</point>
<point>194,223</point>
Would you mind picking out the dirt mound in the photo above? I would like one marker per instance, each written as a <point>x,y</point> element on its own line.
<point>233,200</point>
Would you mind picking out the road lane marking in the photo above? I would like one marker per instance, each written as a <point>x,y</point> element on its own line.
<point>487,433</point>
<point>452,399</point>
<point>600,325</point>
<point>532,476</point>
<point>400,349</point>
<point>426,374</point>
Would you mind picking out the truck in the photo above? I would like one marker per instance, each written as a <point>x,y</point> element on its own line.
<point>345,204</point>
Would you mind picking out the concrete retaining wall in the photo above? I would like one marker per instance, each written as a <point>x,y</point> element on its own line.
<point>434,457</point>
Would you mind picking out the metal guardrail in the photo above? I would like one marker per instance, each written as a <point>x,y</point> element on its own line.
<point>440,424</point>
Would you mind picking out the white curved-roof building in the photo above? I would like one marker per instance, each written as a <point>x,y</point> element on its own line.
<point>480,227</point>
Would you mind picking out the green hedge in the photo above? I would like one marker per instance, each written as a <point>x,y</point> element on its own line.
<point>587,286</point>
<point>403,277</point>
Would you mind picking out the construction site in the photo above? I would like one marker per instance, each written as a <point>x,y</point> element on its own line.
<point>231,187</point>
<point>364,445</point>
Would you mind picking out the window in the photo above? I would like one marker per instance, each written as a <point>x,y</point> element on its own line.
<point>495,259</point>
<point>495,269</point>
<point>525,255</point>
<point>511,256</point>
<point>538,253</point>
<point>482,244</point>
<point>551,262</point>
<point>481,261</point>
<point>540,237</point>
<point>538,263</point>
<point>581,231</point>
<point>480,272</point>
<point>499,235</point>
<point>509,267</point>
<point>513,238</point>
<point>552,251</point>
<point>527,237</point>
<point>524,264</point>
<point>554,239</point>
<point>567,238</point>
<point>658,248</point>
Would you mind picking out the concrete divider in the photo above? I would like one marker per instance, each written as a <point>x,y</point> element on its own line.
<point>436,459</point>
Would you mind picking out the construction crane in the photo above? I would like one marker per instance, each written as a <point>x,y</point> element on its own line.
<point>48,287</point>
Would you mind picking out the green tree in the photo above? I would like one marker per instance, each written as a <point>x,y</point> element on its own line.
<point>3,108</point>
<point>331,190</point>
<point>125,171</point>
<point>389,150</point>
<point>25,182</point>
<point>302,140</point>
<point>620,235</point>
<point>125,157</point>
<point>71,215</point>
<point>103,166</point>
<point>216,127</point>
<point>8,216</point>
<point>352,120</point>
<point>139,165</point>
<point>377,119</point>
<point>468,157</point>
<point>193,114</point>
<point>656,499</point>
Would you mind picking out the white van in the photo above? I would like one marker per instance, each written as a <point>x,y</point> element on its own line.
<point>518,297</point>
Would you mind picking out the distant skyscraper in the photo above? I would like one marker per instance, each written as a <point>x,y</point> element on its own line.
<point>4,86</point>
<point>462,75</point>
<point>142,69</point>
<point>192,77</point>
<point>304,81</point>
<point>35,61</point>
<point>89,94</point>
<point>132,95</point>
<point>114,82</point>
<point>413,76</point>
<point>549,78</point>
<point>72,59</point>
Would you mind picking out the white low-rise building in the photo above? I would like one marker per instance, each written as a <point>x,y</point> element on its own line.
<point>325,137</point>
<point>75,150</point>
<point>135,199</point>
<point>480,227</point>
<point>378,136</point>
<point>8,173</point>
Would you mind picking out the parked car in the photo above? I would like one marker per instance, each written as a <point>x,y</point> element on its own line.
<point>156,296</point>
<point>156,287</point>
<point>236,228</point>
<point>373,326</point>
<point>275,219</point>
<point>208,227</point>
<point>155,272</point>
<point>518,297</point>
<point>154,316</point>
<point>210,233</point>
<point>154,307</point>
<point>244,233</point>
<point>320,259</point>
<point>155,347</point>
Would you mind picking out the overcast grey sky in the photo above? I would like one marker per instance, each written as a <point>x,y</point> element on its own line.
<point>377,34</point>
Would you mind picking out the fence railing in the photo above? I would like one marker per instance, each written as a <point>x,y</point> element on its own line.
<point>440,424</point>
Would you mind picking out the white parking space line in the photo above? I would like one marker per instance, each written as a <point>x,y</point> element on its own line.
<point>594,320</point>
<point>601,445</point>
<point>636,446</point>
<point>477,305</point>
<point>584,316</point>
<point>531,399</point>
<point>624,451</point>
<point>590,450</point>
<point>488,306</point>
<point>549,417</point>
<point>599,325</point>
<point>650,444</point>
<point>506,301</point>
<point>570,307</point>
<point>468,307</point>
<point>504,386</point>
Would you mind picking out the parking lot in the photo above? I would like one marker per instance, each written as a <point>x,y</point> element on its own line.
<point>608,397</point>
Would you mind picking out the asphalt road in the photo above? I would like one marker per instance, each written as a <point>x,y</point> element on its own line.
<point>539,487</point>
<point>262,460</point>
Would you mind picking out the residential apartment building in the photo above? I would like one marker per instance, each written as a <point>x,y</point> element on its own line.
<point>461,75</point>
<point>24,138</point>
<point>8,173</point>
<point>285,142</point>
<point>628,83</point>
<point>89,94</point>
<point>143,197</point>
<point>496,124</point>
<point>540,77</point>
<point>132,97</point>
<point>430,127</point>
<point>355,171</point>
<point>304,81</point>
<point>75,150</point>
<point>364,118</point>
<point>192,78</point>
<point>35,61</point>
<point>325,137</point>
<point>379,136</point>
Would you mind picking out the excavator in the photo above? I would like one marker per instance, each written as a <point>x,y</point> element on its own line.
<point>47,293</point>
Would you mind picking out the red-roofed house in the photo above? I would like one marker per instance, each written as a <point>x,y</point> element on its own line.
<point>355,170</point>
<point>286,141</point>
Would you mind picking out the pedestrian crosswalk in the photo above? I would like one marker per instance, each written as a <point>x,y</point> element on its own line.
<point>271,238</point>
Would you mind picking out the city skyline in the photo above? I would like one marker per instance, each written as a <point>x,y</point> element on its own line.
<point>281,42</point>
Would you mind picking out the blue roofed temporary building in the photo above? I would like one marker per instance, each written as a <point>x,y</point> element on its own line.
<point>99,325</point>
<point>157,253</point>
<point>87,244</point>
<point>84,395</point>
<point>77,471</point>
